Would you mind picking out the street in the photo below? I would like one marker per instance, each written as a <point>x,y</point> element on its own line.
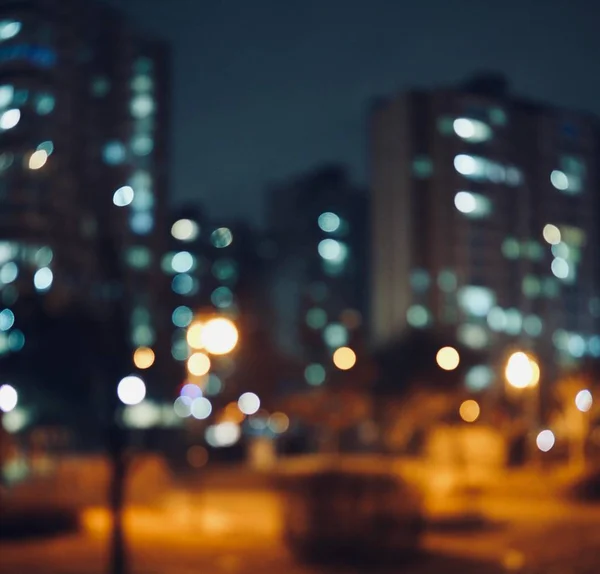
<point>237,532</point>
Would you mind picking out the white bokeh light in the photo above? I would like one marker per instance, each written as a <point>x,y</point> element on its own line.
<point>131,390</point>
<point>42,280</point>
<point>249,403</point>
<point>201,408</point>
<point>9,119</point>
<point>545,440</point>
<point>123,196</point>
<point>185,230</point>
<point>9,398</point>
<point>584,401</point>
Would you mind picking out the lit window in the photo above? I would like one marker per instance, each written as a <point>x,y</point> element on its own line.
<point>576,345</point>
<point>224,269</point>
<point>143,336</point>
<point>114,153</point>
<point>550,288</point>
<point>182,316</point>
<point>511,248</point>
<point>142,83</point>
<point>495,172</point>
<point>6,96</point>
<point>446,125</point>
<point>183,262</point>
<point>184,284</point>
<point>123,196</point>
<point>447,281</point>
<point>221,237</point>
<point>474,336</point>
<point>532,325</point>
<point>514,321</point>
<point>533,250</point>
<point>9,29</point>
<point>335,335</point>
<point>476,301</point>
<point>315,374</point>
<point>142,145</point>
<point>7,319</point>
<point>9,272</point>
<point>417,316</point>
<point>37,160</point>
<point>496,319</point>
<point>329,222</point>
<point>44,104</point>
<point>42,280</point>
<point>594,346</point>
<point>551,234</point>
<point>560,268</point>
<point>498,116</point>
<point>222,297</point>
<point>100,87</point>
<point>143,199</point>
<point>472,204</point>
<point>514,176</point>
<point>419,280</point>
<point>143,65</point>
<point>47,147</point>
<point>531,286</point>
<point>142,106</point>
<point>141,223</point>
<point>332,250</point>
<point>316,318</point>
<point>9,119</point>
<point>479,378</point>
<point>470,166</point>
<point>422,167</point>
<point>139,257</point>
<point>185,230</point>
<point>6,160</point>
<point>471,130</point>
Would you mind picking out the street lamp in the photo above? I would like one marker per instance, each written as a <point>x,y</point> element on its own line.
<point>522,372</point>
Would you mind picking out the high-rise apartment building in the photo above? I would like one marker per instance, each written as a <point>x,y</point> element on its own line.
<point>83,161</point>
<point>318,280</point>
<point>485,213</point>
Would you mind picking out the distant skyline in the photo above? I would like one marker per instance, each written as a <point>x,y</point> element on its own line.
<point>265,89</point>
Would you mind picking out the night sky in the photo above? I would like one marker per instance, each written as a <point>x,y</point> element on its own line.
<point>268,88</point>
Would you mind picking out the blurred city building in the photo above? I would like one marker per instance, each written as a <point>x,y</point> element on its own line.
<point>84,101</point>
<point>484,223</point>
<point>317,282</point>
<point>217,270</point>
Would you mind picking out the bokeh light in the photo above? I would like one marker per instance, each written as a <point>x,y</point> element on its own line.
<point>185,230</point>
<point>249,403</point>
<point>38,159</point>
<point>143,357</point>
<point>219,336</point>
<point>469,411</point>
<point>279,423</point>
<point>194,336</point>
<point>201,408</point>
<point>522,371</point>
<point>223,434</point>
<point>447,358</point>
<point>131,390</point>
<point>9,398</point>
<point>584,401</point>
<point>198,364</point>
<point>344,358</point>
<point>545,440</point>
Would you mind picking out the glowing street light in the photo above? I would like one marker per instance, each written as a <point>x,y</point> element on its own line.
<point>9,398</point>
<point>447,358</point>
<point>344,358</point>
<point>143,357</point>
<point>469,411</point>
<point>131,390</point>
<point>219,336</point>
<point>522,371</point>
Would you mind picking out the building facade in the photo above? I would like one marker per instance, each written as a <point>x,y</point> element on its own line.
<point>484,222</point>
<point>84,101</point>
<point>318,279</point>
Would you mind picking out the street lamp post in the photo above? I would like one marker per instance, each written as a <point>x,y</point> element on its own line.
<point>522,372</point>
